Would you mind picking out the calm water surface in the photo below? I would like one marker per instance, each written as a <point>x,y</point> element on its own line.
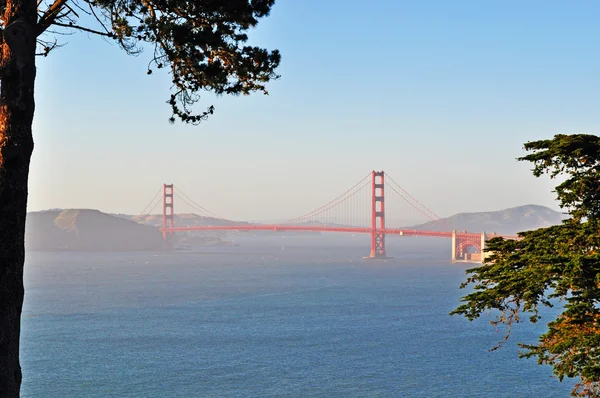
<point>293,316</point>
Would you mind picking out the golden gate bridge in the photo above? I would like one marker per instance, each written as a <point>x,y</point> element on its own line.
<point>347,213</point>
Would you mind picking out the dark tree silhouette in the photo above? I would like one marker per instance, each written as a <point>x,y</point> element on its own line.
<point>200,42</point>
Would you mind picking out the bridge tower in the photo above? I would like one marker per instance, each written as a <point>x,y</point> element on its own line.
<point>168,221</point>
<point>377,215</point>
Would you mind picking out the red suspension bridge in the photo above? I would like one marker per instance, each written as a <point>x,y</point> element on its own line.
<point>361,209</point>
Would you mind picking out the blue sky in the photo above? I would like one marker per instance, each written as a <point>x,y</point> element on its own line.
<point>439,94</point>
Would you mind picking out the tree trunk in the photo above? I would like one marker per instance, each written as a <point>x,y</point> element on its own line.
<point>17,77</point>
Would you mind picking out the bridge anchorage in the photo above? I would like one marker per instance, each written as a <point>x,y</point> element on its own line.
<point>345,214</point>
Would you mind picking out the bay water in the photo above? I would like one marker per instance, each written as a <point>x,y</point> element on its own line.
<point>278,316</point>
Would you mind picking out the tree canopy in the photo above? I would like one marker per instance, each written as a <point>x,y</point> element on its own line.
<point>557,266</point>
<point>202,43</point>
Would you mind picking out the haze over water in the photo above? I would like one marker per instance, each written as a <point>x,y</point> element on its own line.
<point>294,316</point>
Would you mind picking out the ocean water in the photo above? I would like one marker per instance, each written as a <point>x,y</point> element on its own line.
<point>274,317</point>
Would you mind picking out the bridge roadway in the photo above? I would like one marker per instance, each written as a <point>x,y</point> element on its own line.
<point>316,228</point>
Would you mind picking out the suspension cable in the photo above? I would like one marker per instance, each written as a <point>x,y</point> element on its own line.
<point>148,205</point>
<point>210,213</point>
<point>413,198</point>
<point>328,205</point>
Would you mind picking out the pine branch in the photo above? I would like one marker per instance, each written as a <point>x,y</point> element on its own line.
<point>84,29</point>
<point>50,16</point>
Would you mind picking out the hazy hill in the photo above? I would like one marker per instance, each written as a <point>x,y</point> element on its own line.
<point>88,230</point>
<point>181,220</point>
<point>193,220</point>
<point>92,230</point>
<point>508,221</point>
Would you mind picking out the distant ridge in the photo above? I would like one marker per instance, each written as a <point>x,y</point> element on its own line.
<point>92,230</point>
<point>180,219</point>
<point>87,230</point>
<point>195,220</point>
<point>507,221</point>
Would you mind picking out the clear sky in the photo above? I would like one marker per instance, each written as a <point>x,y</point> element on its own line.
<point>439,94</point>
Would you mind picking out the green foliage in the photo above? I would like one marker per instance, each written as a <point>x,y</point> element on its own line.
<point>555,264</point>
<point>201,42</point>
<point>577,156</point>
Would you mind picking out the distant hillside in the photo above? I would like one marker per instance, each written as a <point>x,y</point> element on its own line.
<point>181,220</point>
<point>87,230</point>
<point>92,230</point>
<point>193,220</point>
<point>508,221</point>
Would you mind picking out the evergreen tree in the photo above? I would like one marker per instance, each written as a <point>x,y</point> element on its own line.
<point>200,42</point>
<point>556,266</point>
